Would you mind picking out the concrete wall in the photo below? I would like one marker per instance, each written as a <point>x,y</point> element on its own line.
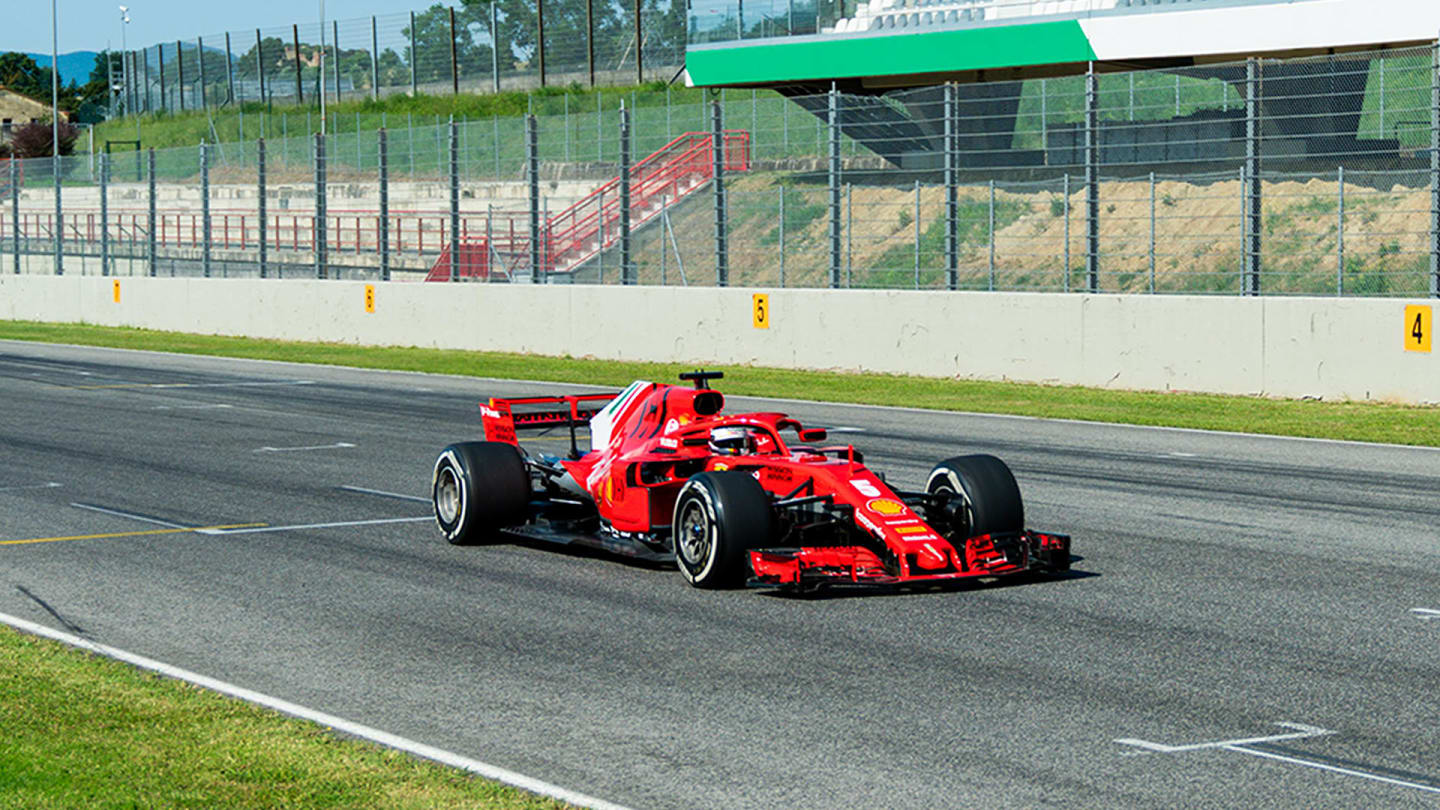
<point>1291,347</point>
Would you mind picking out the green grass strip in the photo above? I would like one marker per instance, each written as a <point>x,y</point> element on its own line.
<point>86,731</point>
<point>1356,421</point>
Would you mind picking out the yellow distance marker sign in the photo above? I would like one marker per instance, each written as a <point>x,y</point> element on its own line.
<point>760,311</point>
<point>116,288</point>
<point>370,298</point>
<point>1419,323</point>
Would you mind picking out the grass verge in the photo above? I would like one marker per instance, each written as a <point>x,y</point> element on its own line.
<point>85,731</point>
<point>1356,421</point>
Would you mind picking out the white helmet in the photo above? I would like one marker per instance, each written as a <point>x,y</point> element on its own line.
<point>731,440</point>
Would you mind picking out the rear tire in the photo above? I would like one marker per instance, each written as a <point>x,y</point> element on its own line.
<point>719,517</point>
<point>477,489</point>
<point>987,489</point>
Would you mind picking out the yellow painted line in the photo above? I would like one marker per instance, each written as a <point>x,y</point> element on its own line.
<point>127,534</point>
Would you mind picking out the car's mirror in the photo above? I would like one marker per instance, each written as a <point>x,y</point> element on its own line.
<point>813,434</point>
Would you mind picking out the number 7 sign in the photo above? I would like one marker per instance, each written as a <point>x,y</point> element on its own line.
<point>1418,324</point>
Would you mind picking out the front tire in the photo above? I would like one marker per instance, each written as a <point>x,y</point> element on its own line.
<point>719,517</point>
<point>477,489</point>
<point>988,497</point>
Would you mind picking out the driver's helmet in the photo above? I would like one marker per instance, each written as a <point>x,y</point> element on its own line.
<point>731,441</point>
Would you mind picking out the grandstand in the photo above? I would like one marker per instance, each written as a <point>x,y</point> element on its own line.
<point>891,57</point>
<point>913,43</point>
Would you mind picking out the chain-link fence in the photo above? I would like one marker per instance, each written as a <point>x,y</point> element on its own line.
<point>1314,176</point>
<point>471,47</point>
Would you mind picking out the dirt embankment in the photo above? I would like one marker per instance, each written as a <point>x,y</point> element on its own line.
<point>1198,237</point>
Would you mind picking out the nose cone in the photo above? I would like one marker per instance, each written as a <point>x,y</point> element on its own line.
<point>931,558</point>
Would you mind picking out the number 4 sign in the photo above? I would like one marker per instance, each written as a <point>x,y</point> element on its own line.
<point>1418,324</point>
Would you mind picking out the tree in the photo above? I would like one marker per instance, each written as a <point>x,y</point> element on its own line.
<point>432,43</point>
<point>33,140</point>
<point>566,30</point>
<point>20,74</point>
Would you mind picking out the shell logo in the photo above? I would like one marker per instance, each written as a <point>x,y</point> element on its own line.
<point>886,506</point>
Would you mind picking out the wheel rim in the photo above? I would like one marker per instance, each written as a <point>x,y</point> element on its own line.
<point>944,488</point>
<point>694,539</point>
<point>447,495</point>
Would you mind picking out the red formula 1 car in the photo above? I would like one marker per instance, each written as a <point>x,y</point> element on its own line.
<point>670,477</point>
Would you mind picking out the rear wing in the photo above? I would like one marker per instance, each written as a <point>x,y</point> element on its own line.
<point>503,417</point>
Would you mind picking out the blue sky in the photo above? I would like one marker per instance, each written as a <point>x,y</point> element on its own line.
<point>87,25</point>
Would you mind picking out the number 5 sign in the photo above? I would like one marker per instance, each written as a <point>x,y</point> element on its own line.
<point>760,311</point>
<point>1418,323</point>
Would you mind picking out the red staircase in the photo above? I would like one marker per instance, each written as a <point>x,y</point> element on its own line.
<point>578,234</point>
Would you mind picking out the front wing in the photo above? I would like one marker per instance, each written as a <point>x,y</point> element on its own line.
<point>982,556</point>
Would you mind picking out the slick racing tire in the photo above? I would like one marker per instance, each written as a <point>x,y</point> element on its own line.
<point>719,517</point>
<point>478,488</point>
<point>989,497</point>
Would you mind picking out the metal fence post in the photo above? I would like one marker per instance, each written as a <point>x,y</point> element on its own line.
<point>454,58</point>
<point>1152,233</point>
<point>160,60</point>
<point>833,121</point>
<point>321,234</point>
<point>849,234</point>
<point>1252,169</point>
<point>1435,173</point>
<point>414,78</point>
<point>540,36</point>
<point>627,268</point>
<point>104,215</point>
<point>229,71</point>
<point>259,69</point>
<point>782,236</point>
<point>260,198</point>
<point>205,209</point>
<point>917,234</point>
<point>952,191</point>
<point>200,61</point>
<point>1092,180</point>
<point>717,147</point>
<point>299,90</point>
<point>1066,192</point>
<point>15,210</point>
<point>992,235</point>
<point>382,235</point>
<point>532,172</point>
<point>495,50</point>
<point>59,231</point>
<point>374,59</point>
<point>150,215</point>
<point>1340,232</point>
<point>454,200</point>
<point>639,46</point>
<point>180,75</point>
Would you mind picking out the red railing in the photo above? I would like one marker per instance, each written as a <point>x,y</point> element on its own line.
<point>576,235</point>
<point>347,232</point>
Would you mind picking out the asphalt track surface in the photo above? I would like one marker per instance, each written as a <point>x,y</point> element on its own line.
<point>1223,585</point>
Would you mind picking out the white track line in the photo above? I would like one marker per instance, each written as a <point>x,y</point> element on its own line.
<point>335,446</point>
<point>382,493</point>
<point>340,724</point>
<point>1426,614</point>
<point>130,516</point>
<point>1301,731</point>
<point>267,529</point>
<point>1334,769</point>
<point>50,485</point>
